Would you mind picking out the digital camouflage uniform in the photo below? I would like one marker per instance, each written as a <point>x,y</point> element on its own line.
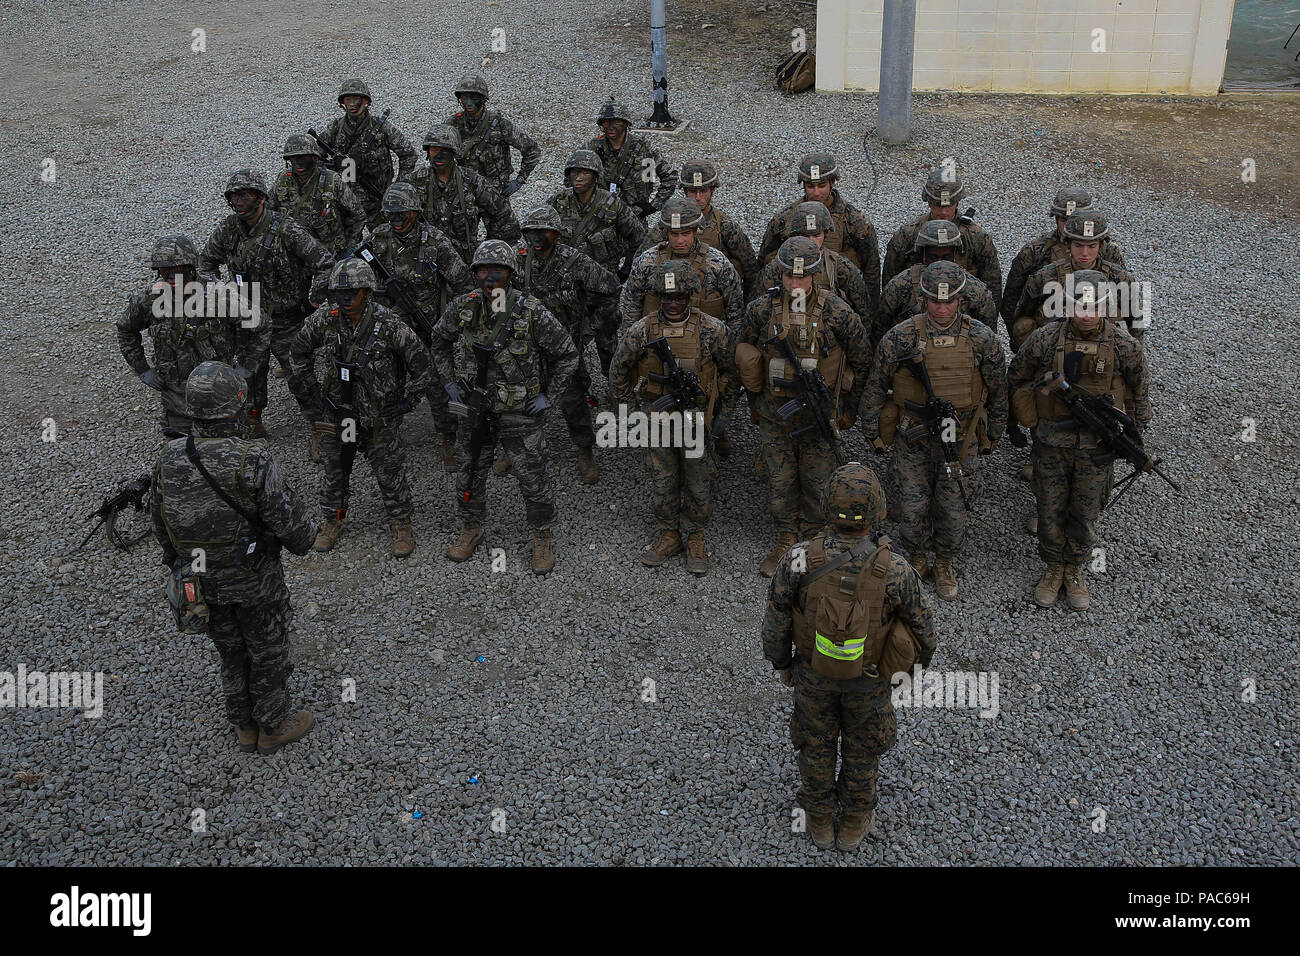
<point>324,205</point>
<point>902,300</point>
<point>485,147</point>
<point>247,597</point>
<point>387,366</point>
<point>1037,295</point>
<point>628,175</point>
<point>372,146</point>
<point>536,344</point>
<point>724,234</point>
<point>460,204</point>
<point>291,268</point>
<point>979,257</point>
<point>721,296</point>
<point>838,275</point>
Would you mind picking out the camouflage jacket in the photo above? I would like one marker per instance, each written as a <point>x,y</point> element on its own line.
<point>570,284</point>
<point>382,357</point>
<point>838,321</point>
<point>188,514</point>
<point>904,597</point>
<point>325,206</point>
<point>723,233</point>
<point>902,300</point>
<point>717,276</point>
<point>637,174</point>
<point>854,234</point>
<point>849,284</point>
<point>458,206</point>
<point>980,258</point>
<point>289,265</point>
<point>605,228</point>
<point>1040,252</point>
<point>485,148</point>
<point>181,344</point>
<point>714,340</point>
<point>428,263</point>
<point>1038,355</point>
<point>900,343</point>
<point>1038,288</point>
<point>537,355</point>
<point>371,145</point>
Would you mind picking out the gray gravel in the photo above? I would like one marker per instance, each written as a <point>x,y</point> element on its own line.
<point>1134,707</point>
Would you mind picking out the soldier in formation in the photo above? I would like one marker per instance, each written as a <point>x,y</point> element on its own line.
<point>317,198</point>
<point>632,168</point>
<point>363,148</point>
<point>486,137</point>
<point>937,240</point>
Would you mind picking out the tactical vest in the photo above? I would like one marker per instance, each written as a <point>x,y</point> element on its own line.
<point>688,348</point>
<point>317,212</point>
<point>591,229</point>
<point>710,302</point>
<point>195,517</point>
<point>711,235</point>
<point>518,363</point>
<point>546,281</point>
<point>834,241</point>
<point>840,626</point>
<point>953,366</point>
<point>181,344</point>
<point>485,149</point>
<point>248,260</point>
<point>438,211</point>
<point>1099,374</point>
<point>828,278</point>
<point>814,345</point>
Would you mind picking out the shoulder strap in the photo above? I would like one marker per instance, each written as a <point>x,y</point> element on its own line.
<point>857,551</point>
<point>192,453</point>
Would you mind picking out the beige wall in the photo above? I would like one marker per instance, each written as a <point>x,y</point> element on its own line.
<point>1039,46</point>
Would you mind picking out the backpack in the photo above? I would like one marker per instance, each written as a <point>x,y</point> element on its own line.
<point>796,72</point>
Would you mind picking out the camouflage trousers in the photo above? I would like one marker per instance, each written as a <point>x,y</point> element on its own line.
<point>933,515</point>
<point>252,641</point>
<point>283,329</point>
<point>852,719</point>
<point>605,321</point>
<point>443,420</point>
<point>1071,491</point>
<point>798,470</point>
<point>573,403</point>
<point>384,450</point>
<point>682,488</point>
<point>522,439</point>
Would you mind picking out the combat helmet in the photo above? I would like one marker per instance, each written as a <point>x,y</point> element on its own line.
<point>675,277</point>
<point>299,144</point>
<point>1069,199</point>
<point>444,137</point>
<point>943,188</point>
<point>854,499</point>
<point>938,234</point>
<point>543,217</point>
<point>472,83</point>
<point>811,217</point>
<point>245,179</point>
<point>584,159</point>
<point>1089,288</point>
<point>698,174</point>
<point>815,167</point>
<point>494,252</point>
<point>352,274</point>
<point>401,197</point>
<point>1086,226</point>
<point>612,109</point>
<point>354,87</point>
<point>172,252</point>
<point>942,281</point>
<point>799,256</point>
<point>681,213</point>
<point>214,391</point>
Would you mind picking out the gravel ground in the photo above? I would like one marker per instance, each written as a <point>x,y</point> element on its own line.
<point>488,697</point>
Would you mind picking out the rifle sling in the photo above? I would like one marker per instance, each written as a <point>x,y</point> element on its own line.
<point>859,550</point>
<point>192,453</point>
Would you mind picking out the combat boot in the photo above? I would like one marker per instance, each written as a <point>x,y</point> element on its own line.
<point>587,469</point>
<point>449,453</point>
<point>920,562</point>
<point>822,830</point>
<point>784,543</point>
<point>470,538</point>
<point>403,538</point>
<point>722,445</point>
<point>294,727</point>
<point>855,825</point>
<point>543,554</point>
<point>246,734</point>
<point>1049,586</point>
<point>945,578</point>
<point>697,558</point>
<point>1076,590</point>
<point>258,430</point>
<point>669,543</point>
<point>329,534</point>
<point>501,464</point>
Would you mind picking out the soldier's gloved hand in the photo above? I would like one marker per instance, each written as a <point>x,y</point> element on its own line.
<point>878,445</point>
<point>845,421</point>
<point>150,378</point>
<point>512,187</point>
<point>537,405</point>
<point>787,676</point>
<point>453,392</point>
<point>396,409</point>
<point>1017,436</point>
<point>242,372</point>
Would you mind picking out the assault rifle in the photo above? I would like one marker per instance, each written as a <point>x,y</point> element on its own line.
<point>133,493</point>
<point>477,411</point>
<point>811,393</point>
<point>400,291</point>
<point>1117,434</point>
<point>937,415</point>
<point>335,159</point>
<point>681,387</point>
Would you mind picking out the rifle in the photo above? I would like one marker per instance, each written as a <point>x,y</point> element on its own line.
<point>477,412</point>
<point>811,393</point>
<point>132,493</point>
<point>682,388</point>
<point>399,289</point>
<point>936,414</point>
<point>1117,434</point>
<point>334,159</point>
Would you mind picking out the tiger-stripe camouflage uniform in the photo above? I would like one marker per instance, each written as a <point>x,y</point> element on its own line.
<point>318,198</point>
<point>634,171</point>
<point>487,136</point>
<point>371,145</point>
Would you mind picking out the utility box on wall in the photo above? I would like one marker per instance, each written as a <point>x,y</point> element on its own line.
<point>1035,46</point>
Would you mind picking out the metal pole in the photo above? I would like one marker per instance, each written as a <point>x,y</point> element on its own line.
<point>659,64</point>
<point>897,45</point>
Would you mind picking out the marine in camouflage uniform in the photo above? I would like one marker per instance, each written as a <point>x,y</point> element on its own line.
<point>600,224</point>
<point>1072,488</point>
<point>699,179</point>
<point>457,199</point>
<point>937,240</point>
<point>371,143</point>
<point>486,137</point>
<point>821,327</point>
<point>376,372</point>
<point>419,255</point>
<point>1051,247</point>
<point>682,496</point>
<point>317,197</point>
<point>967,368</point>
<point>854,236</point>
<point>180,342</point>
<point>243,586</point>
<point>528,344</point>
<point>942,192</point>
<point>633,170</point>
<point>572,286</point>
<point>720,292</point>
<point>257,244</point>
<point>851,715</point>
